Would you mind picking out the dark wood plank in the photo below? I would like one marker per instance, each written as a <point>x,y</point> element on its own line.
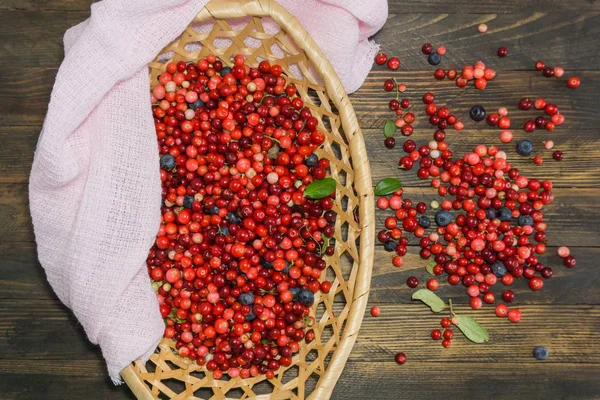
<point>35,38</point>
<point>530,36</point>
<point>24,278</point>
<point>46,330</point>
<point>395,6</point>
<point>51,380</point>
<point>572,211</point>
<point>15,162</point>
<point>456,380</point>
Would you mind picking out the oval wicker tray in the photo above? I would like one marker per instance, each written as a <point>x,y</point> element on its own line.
<point>226,28</point>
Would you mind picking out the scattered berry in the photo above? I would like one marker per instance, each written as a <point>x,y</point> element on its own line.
<point>477,113</point>
<point>434,58</point>
<point>381,58</point>
<point>400,358</point>
<point>393,63</point>
<point>502,52</point>
<point>482,28</point>
<point>375,312</point>
<point>540,352</point>
<point>573,82</point>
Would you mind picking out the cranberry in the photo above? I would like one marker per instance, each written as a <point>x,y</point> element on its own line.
<point>502,52</point>
<point>400,358</point>
<point>557,155</point>
<point>381,58</point>
<point>393,63</point>
<point>427,48</point>
<point>390,142</point>
<point>412,282</point>
<point>573,82</point>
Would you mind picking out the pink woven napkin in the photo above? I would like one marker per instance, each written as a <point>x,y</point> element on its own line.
<point>95,189</point>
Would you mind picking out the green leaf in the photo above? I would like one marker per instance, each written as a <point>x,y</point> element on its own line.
<point>325,245</point>
<point>387,186</point>
<point>389,129</point>
<point>320,189</point>
<point>431,299</point>
<point>471,329</point>
<point>429,267</point>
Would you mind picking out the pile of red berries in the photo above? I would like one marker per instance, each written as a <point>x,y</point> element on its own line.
<point>489,230</point>
<point>440,117</point>
<point>240,251</point>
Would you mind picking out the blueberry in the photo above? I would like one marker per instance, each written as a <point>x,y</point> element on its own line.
<point>225,230</point>
<point>389,246</point>
<point>295,291</point>
<point>246,299</point>
<point>540,352</point>
<point>306,297</point>
<point>499,269</point>
<point>477,113</point>
<point>167,162</point>
<point>225,71</point>
<point>504,214</point>
<point>525,147</point>
<point>311,160</point>
<point>287,267</point>
<point>197,104</point>
<point>490,213</point>
<point>434,58</point>
<point>525,220</point>
<point>233,218</point>
<point>251,316</point>
<point>214,210</point>
<point>188,201</point>
<point>266,264</point>
<point>443,217</point>
<point>424,222</point>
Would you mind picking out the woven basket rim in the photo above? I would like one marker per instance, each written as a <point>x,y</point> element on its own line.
<point>228,9</point>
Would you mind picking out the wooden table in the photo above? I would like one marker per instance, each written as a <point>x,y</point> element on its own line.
<point>44,353</point>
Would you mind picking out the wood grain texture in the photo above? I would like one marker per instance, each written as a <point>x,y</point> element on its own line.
<point>395,6</point>
<point>23,278</point>
<point>44,352</point>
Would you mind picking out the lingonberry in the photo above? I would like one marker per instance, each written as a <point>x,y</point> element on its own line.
<point>389,85</point>
<point>514,315</point>
<point>508,296</point>
<point>381,58</point>
<point>412,282</point>
<point>569,261</point>
<point>557,155</point>
<point>400,358</point>
<point>573,82</point>
<point>525,104</point>
<point>502,52</point>
<point>448,334</point>
<point>433,284</point>
<point>446,343</point>
<point>501,310</point>
<point>375,312</point>
<point>390,142</point>
<point>436,334</point>
<point>393,63</point>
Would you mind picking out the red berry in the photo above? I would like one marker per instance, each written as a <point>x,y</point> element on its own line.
<point>446,343</point>
<point>400,358</point>
<point>389,85</point>
<point>433,284</point>
<point>536,283</point>
<point>573,82</point>
<point>501,310</point>
<point>436,334</point>
<point>393,63</point>
<point>412,282</point>
<point>381,58</point>
<point>514,315</point>
<point>446,322</point>
<point>427,48</point>
<point>448,334</point>
<point>502,52</point>
<point>375,311</point>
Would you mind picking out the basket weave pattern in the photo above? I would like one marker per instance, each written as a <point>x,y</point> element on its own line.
<point>316,368</point>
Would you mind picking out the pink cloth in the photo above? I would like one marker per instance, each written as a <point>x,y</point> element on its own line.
<point>95,190</point>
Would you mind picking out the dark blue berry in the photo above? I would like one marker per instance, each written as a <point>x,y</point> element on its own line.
<point>540,352</point>
<point>246,299</point>
<point>266,264</point>
<point>477,113</point>
<point>225,230</point>
<point>434,58</point>
<point>214,210</point>
<point>424,221</point>
<point>225,71</point>
<point>306,297</point>
<point>233,218</point>
<point>525,220</point>
<point>251,316</point>
<point>311,160</point>
<point>525,147</point>
<point>167,162</point>
<point>499,269</point>
<point>443,217</point>
<point>188,201</point>
<point>287,267</point>
<point>504,214</point>
<point>197,104</point>
<point>490,213</point>
<point>295,290</point>
<point>389,246</point>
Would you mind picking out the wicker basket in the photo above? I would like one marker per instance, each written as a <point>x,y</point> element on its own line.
<point>240,27</point>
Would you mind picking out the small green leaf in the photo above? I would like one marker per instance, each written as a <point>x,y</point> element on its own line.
<point>471,329</point>
<point>389,129</point>
<point>431,299</point>
<point>325,245</point>
<point>429,267</point>
<point>320,189</point>
<point>387,186</point>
